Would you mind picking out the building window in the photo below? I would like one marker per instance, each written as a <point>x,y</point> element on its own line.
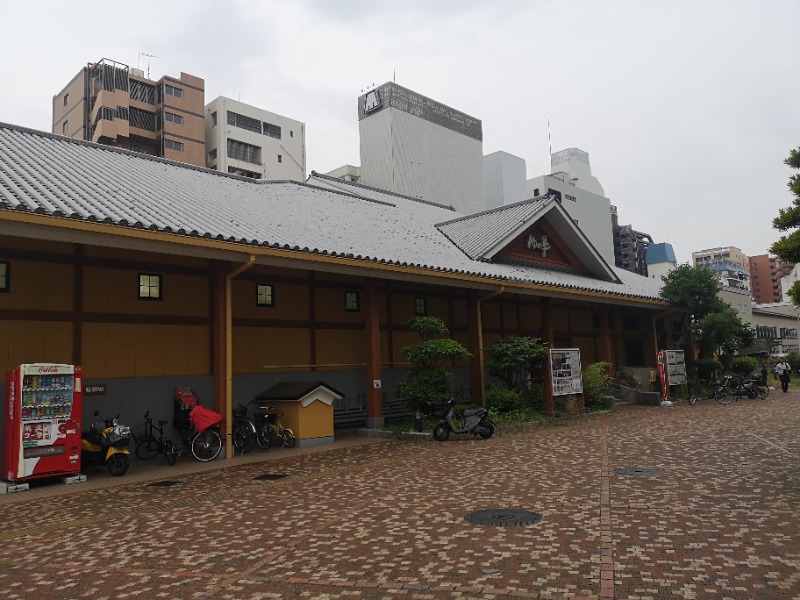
<point>272,131</point>
<point>351,303</point>
<point>536,191</point>
<point>173,91</point>
<point>291,133</point>
<point>421,307</point>
<point>265,295</point>
<point>244,122</point>
<point>214,119</point>
<point>173,118</point>
<point>245,152</point>
<point>149,286</point>
<point>5,275</point>
<point>173,145</point>
<point>65,127</point>
<point>212,154</point>
<point>66,99</point>
<point>280,158</point>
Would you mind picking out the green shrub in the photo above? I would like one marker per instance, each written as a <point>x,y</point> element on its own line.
<point>515,360</point>
<point>533,398</point>
<point>502,399</point>
<point>793,358</point>
<point>596,381</point>
<point>708,368</point>
<point>743,365</point>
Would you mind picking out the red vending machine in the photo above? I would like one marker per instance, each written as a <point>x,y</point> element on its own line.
<point>41,422</point>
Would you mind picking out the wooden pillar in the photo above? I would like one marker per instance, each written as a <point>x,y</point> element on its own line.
<point>475,346</point>
<point>372,330</point>
<point>606,345</point>
<point>77,306</point>
<point>547,328</point>
<point>651,340</point>
<point>219,359</point>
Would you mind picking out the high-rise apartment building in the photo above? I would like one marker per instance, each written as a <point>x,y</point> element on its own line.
<point>766,273</point>
<point>630,246</point>
<point>110,103</point>
<point>729,263</point>
<point>254,142</point>
<point>415,146</point>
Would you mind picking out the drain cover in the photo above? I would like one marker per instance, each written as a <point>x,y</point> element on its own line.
<point>504,517</point>
<point>165,483</point>
<point>639,472</point>
<point>269,477</point>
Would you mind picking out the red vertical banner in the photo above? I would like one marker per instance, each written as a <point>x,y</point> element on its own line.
<point>661,359</point>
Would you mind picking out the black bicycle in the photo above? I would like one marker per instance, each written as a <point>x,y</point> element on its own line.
<point>244,430</point>
<point>150,446</point>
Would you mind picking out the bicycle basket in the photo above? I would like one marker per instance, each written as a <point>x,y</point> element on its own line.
<point>240,411</point>
<point>139,432</point>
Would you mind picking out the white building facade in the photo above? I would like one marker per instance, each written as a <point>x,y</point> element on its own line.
<point>581,195</point>
<point>415,146</point>
<point>505,176</point>
<point>253,142</point>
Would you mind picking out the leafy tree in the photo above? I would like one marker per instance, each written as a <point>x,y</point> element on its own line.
<point>516,360</point>
<point>788,246</point>
<point>723,332</point>
<point>695,290</point>
<point>427,383</point>
<point>744,365</point>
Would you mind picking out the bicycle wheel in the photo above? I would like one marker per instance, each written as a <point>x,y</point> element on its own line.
<point>722,396</point>
<point>206,446</point>
<point>264,437</point>
<point>763,392</point>
<point>244,436</point>
<point>170,452</point>
<point>147,449</point>
<point>692,399</point>
<point>287,435</point>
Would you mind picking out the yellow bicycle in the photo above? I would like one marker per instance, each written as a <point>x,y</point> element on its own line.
<point>269,428</point>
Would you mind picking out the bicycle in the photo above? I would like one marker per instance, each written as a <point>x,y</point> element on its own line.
<point>149,446</point>
<point>205,445</point>
<point>268,426</point>
<point>244,430</point>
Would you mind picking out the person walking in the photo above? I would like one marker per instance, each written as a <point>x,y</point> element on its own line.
<point>783,370</point>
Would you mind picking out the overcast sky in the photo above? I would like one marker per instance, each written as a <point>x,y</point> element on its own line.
<point>686,108</point>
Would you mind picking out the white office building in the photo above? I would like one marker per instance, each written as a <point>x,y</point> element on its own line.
<point>581,194</point>
<point>505,176</point>
<point>249,141</point>
<point>417,147</point>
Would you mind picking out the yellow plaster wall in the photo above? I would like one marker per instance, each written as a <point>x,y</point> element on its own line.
<point>291,301</point>
<point>34,341</point>
<point>341,347</point>
<point>39,286</point>
<point>255,348</point>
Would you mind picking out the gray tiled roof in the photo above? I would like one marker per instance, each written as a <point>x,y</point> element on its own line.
<point>477,234</point>
<point>52,175</point>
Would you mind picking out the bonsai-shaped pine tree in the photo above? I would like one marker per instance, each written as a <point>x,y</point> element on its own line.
<point>428,383</point>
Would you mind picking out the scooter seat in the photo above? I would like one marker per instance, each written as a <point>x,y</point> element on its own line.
<point>473,411</point>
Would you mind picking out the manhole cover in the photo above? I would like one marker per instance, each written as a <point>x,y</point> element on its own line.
<point>639,472</point>
<point>165,483</point>
<point>504,517</point>
<point>269,477</point>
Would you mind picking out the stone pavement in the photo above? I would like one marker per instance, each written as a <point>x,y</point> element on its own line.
<point>644,503</point>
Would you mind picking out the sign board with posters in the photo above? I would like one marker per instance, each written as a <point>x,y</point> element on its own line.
<point>671,369</point>
<point>565,371</point>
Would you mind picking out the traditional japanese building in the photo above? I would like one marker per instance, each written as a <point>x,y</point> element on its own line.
<point>154,274</point>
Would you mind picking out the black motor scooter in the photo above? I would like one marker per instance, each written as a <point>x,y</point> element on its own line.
<point>475,420</point>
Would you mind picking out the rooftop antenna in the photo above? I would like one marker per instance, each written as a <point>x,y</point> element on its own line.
<point>549,143</point>
<point>149,56</point>
<point>394,74</point>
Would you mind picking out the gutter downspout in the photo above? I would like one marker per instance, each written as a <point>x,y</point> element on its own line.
<point>229,354</point>
<point>479,327</point>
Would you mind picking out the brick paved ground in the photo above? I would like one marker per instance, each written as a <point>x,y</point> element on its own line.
<point>386,519</point>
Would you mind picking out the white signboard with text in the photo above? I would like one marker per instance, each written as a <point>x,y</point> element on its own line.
<point>565,371</point>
